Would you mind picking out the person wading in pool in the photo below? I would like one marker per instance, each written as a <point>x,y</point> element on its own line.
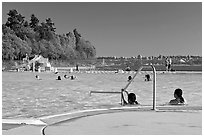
<point>179,100</point>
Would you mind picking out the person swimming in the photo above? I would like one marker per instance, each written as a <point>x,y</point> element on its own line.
<point>147,77</point>
<point>37,77</point>
<point>72,77</point>
<point>178,98</point>
<point>129,78</point>
<point>65,76</point>
<point>58,78</point>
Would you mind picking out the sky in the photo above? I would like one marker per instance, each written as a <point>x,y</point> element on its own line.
<point>124,28</point>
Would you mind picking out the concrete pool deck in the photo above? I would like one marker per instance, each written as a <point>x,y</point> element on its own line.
<point>140,120</point>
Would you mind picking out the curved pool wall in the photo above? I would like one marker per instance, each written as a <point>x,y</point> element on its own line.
<point>167,116</point>
<point>54,119</point>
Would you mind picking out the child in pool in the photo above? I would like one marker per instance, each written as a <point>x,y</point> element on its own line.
<point>178,98</point>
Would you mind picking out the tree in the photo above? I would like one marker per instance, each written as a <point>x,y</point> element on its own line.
<point>34,22</point>
<point>26,24</point>
<point>6,30</point>
<point>50,25</point>
<point>16,46</point>
<point>90,50</point>
<point>12,19</point>
<point>20,19</point>
<point>7,49</point>
<point>15,20</point>
<point>20,37</point>
<point>77,36</point>
<point>16,23</point>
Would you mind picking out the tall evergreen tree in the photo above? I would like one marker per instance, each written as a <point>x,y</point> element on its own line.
<point>34,22</point>
<point>15,20</point>
<point>77,36</point>
<point>50,24</point>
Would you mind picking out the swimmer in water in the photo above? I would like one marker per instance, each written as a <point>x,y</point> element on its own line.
<point>178,98</point>
<point>71,77</point>
<point>65,76</point>
<point>37,77</point>
<point>147,77</point>
<point>129,78</point>
<point>58,78</point>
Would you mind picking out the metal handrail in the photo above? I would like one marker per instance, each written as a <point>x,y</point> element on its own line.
<point>124,89</point>
<point>154,83</point>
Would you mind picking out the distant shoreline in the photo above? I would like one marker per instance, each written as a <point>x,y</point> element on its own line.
<point>159,68</point>
<point>176,68</point>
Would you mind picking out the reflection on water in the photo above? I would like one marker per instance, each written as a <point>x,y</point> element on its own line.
<point>24,96</point>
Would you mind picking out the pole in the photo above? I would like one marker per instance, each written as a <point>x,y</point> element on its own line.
<point>33,66</point>
<point>154,87</point>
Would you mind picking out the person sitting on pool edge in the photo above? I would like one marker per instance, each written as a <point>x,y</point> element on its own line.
<point>179,100</point>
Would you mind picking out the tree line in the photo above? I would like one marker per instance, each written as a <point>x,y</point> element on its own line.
<point>21,37</point>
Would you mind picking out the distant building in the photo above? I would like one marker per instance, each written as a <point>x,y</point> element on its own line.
<point>42,62</point>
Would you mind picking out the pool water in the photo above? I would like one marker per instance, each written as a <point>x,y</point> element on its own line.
<point>23,96</point>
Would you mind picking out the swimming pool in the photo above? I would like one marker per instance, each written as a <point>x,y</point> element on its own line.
<point>25,97</point>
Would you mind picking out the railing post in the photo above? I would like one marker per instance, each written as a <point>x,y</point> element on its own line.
<point>154,87</point>
<point>124,89</point>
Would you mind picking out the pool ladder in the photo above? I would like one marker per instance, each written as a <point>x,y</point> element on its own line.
<point>124,89</point>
